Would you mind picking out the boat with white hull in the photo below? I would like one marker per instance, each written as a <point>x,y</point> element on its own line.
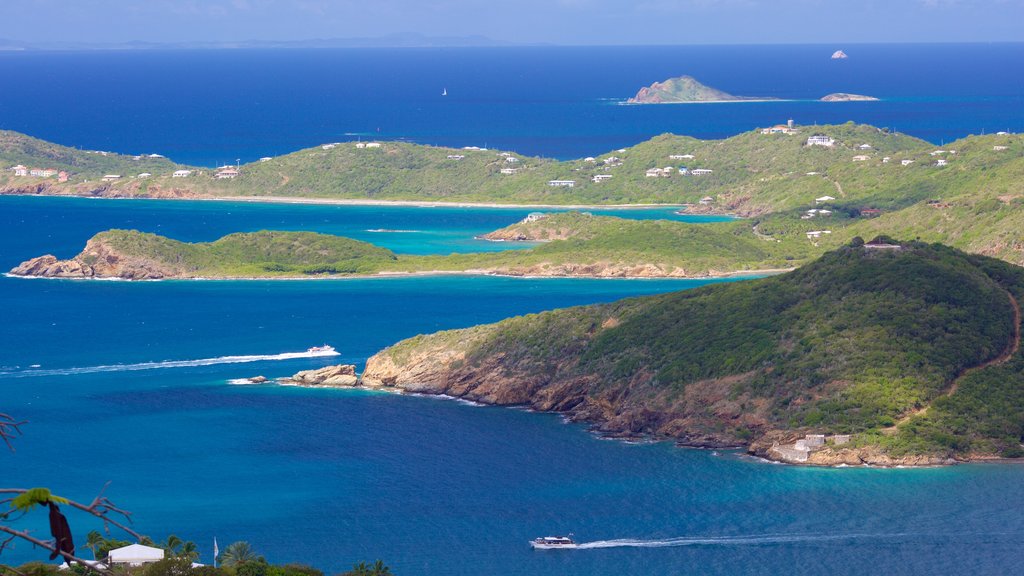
<point>553,543</point>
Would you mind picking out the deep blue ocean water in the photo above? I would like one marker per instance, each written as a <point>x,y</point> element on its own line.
<point>211,107</point>
<point>432,486</point>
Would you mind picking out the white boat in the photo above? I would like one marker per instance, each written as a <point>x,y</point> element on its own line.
<point>444,92</point>
<point>552,542</point>
<point>325,350</point>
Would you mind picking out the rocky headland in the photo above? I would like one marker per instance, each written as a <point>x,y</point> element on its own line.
<point>766,363</point>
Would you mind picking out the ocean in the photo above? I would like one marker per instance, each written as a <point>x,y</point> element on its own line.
<point>130,382</point>
<point>213,107</point>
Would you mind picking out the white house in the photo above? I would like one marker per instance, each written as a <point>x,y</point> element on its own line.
<point>886,160</point>
<point>373,144</point>
<point>700,171</point>
<point>329,146</point>
<point>779,129</point>
<point>509,170</point>
<point>861,158</point>
<point>612,160</point>
<point>821,140</point>
<point>601,177</point>
<point>823,199</point>
<point>999,148</point>
<point>706,200</point>
<point>360,145</point>
<point>653,173</point>
<point>864,147</point>
<point>156,156</point>
<point>511,159</point>
<point>226,173</point>
<point>20,170</point>
<point>455,156</point>
<point>111,177</point>
<point>941,162</point>
<point>590,159</point>
<point>181,174</point>
<point>906,162</point>
<point>266,159</point>
<point>135,555</point>
<point>561,183</point>
<point>817,233</point>
<point>144,175</point>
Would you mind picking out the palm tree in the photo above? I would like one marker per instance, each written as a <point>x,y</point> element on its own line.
<point>238,553</point>
<point>361,569</point>
<point>379,569</point>
<point>189,551</point>
<point>93,541</point>
<point>171,544</point>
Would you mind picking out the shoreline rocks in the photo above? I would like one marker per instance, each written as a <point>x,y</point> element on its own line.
<point>337,376</point>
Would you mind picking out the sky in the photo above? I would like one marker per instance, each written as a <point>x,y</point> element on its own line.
<point>568,22</point>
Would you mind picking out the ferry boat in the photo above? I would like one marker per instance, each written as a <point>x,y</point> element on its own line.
<point>325,350</point>
<point>552,542</point>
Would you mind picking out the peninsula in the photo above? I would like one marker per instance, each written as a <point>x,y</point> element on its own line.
<point>573,245</point>
<point>685,89</point>
<point>883,353</point>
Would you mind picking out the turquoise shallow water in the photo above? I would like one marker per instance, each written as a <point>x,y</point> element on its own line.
<point>431,486</point>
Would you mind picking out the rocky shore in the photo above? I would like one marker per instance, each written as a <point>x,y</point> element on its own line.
<point>97,260</point>
<point>338,376</point>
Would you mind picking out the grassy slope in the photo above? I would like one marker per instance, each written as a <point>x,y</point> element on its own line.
<point>599,241</point>
<point>253,254</point>
<point>17,148</point>
<point>849,343</point>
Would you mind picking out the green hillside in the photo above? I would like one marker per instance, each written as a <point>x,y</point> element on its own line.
<point>879,343</point>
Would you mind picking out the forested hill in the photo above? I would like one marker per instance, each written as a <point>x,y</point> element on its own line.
<point>913,349</point>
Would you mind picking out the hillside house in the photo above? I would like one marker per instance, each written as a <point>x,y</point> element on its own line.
<point>373,144</point>
<point>861,158</point>
<point>817,233</point>
<point>144,175</point>
<point>62,176</point>
<point>821,140</point>
<point>612,161</point>
<point>266,159</point>
<point>684,170</point>
<point>906,162</point>
<point>509,170</point>
<point>700,172</point>
<point>706,201</point>
<point>653,173</point>
<point>455,156</point>
<point>779,129</point>
<point>941,162</point>
<point>562,183</point>
<point>999,148</point>
<point>111,177</point>
<point>226,173</point>
<point>511,159</point>
<point>42,172</point>
<point>601,177</point>
<point>181,174</point>
<point>823,199</point>
<point>590,160</point>
<point>534,216</point>
<point>329,146</point>
<point>20,170</point>
<point>864,147</point>
<point>886,160</point>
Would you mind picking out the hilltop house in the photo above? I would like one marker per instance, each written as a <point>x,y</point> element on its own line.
<point>590,159</point>
<point>779,129</point>
<point>821,140</point>
<point>134,555</point>
<point>562,183</point>
<point>226,172</point>
<point>266,159</point>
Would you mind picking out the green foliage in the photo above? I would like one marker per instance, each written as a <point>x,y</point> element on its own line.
<point>378,568</point>
<point>238,553</point>
<point>851,343</point>
<point>35,497</point>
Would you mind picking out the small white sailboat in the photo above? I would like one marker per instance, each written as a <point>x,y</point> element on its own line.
<point>444,92</point>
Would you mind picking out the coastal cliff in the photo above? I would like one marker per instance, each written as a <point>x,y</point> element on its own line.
<point>911,350</point>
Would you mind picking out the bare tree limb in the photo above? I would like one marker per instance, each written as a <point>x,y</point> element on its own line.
<point>69,558</point>
<point>101,507</point>
<point>9,428</point>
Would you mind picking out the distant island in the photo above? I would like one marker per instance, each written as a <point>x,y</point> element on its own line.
<point>685,89</point>
<point>844,97</point>
<point>881,353</point>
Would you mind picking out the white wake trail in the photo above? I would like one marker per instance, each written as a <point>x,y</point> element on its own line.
<point>726,540</point>
<point>164,364</point>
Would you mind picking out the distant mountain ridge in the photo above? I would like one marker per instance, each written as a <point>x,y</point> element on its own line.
<point>401,40</point>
